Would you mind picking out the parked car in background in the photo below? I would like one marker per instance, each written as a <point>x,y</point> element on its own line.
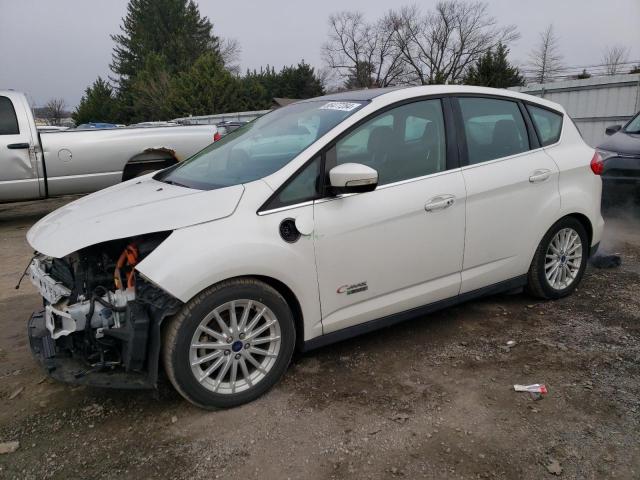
<point>224,128</point>
<point>319,221</point>
<point>51,128</point>
<point>36,165</point>
<point>155,124</point>
<point>95,125</point>
<point>620,154</point>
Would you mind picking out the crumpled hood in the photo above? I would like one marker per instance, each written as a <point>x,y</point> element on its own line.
<point>138,206</point>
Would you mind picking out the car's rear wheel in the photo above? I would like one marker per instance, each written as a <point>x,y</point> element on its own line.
<point>230,344</point>
<point>560,260</point>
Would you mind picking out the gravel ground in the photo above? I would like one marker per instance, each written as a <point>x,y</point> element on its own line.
<point>430,398</point>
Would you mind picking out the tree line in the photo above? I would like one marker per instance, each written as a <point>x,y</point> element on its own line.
<point>167,62</point>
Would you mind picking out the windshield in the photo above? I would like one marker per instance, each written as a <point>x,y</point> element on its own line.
<point>634,125</point>
<point>261,147</point>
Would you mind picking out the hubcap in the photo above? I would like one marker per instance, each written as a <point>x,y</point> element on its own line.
<point>235,346</point>
<point>563,259</point>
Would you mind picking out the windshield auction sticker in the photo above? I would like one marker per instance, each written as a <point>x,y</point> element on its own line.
<point>342,106</point>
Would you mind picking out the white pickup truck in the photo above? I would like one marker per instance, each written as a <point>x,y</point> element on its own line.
<point>35,165</point>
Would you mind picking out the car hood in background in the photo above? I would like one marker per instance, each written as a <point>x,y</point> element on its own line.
<point>136,207</point>
<point>621,142</point>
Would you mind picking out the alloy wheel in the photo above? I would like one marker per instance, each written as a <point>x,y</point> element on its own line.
<point>235,346</point>
<point>563,258</point>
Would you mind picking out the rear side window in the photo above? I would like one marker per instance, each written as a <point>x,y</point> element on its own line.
<point>493,128</point>
<point>547,123</point>
<point>8,119</point>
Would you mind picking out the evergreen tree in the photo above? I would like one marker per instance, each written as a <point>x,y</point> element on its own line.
<point>150,91</point>
<point>361,77</point>
<point>583,75</point>
<point>206,88</point>
<point>299,82</point>
<point>172,30</point>
<point>493,70</point>
<point>98,104</point>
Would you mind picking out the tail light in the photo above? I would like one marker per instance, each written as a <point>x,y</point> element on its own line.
<point>217,136</point>
<point>597,165</point>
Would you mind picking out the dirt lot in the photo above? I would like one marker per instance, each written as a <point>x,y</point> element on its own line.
<point>430,398</point>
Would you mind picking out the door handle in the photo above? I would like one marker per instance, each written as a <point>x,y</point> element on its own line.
<point>540,176</point>
<point>440,203</point>
<point>17,146</point>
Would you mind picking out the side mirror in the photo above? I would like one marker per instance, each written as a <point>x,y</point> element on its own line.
<point>352,178</point>
<point>610,130</point>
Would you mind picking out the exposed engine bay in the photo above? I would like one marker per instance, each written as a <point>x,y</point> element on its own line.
<point>101,319</point>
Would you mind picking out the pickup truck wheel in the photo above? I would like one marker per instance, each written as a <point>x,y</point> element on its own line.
<point>560,260</point>
<point>230,344</point>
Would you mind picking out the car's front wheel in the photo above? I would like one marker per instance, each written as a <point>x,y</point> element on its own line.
<point>560,260</point>
<point>230,344</point>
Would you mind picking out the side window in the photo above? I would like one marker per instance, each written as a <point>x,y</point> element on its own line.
<point>303,187</point>
<point>8,119</point>
<point>402,143</point>
<point>493,128</point>
<point>547,123</point>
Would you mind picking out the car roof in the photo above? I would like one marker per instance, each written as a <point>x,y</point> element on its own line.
<point>416,91</point>
<point>356,95</point>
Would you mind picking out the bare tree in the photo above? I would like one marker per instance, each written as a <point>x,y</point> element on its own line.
<point>54,110</point>
<point>440,45</point>
<point>545,58</point>
<point>614,58</point>
<point>230,51</point>
<point>362,54</point>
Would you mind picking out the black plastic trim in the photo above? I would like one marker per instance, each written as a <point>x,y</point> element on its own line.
<point>532,133</point>
<point>389,320</point>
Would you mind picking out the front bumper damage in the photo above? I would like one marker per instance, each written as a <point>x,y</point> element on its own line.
<point>73,370</point>
<point>110,339</point>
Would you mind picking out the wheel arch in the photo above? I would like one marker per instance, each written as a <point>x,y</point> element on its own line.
<point>293,302</point>
<point>586,223</point>
<point>149,159</point>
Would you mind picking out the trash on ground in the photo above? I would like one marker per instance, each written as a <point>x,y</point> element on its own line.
<point>9,447</point>
<point>533,388</point>
<point>16,393</point>
<point>606,261</point>
<point>511,343</point>
<point>554,467</point>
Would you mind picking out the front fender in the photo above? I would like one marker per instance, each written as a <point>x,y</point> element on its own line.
<point>245,244</point>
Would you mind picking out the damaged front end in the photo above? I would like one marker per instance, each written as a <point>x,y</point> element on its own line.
<point>101,319</point>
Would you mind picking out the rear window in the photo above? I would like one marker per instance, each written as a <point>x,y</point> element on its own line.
<point>8,119</point>
<point>547,123</point>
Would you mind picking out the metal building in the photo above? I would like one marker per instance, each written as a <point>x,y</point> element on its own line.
<point>593,103</point>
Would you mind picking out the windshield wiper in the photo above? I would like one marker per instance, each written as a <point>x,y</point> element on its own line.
<point>177,184</point>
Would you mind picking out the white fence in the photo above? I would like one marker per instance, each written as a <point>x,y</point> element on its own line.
<point>221,117</point>
<point>593,103</point>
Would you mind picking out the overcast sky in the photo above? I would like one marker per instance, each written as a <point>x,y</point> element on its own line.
<point>56,48</point>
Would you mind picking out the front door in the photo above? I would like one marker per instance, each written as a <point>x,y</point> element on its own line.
<point>400,246</point>
<point>18,174</point>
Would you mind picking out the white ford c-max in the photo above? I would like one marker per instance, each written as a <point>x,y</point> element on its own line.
<point>319,221</point>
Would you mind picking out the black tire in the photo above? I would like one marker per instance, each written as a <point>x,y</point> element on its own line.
<point>538,285</point>
<point>178,333</point>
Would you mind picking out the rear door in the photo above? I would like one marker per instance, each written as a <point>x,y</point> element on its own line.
<point>512,189</point>
<point>18,166</point>
<point>400,246</point>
